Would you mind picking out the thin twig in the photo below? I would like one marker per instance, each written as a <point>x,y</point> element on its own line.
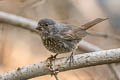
<point>104,35</point>
<point>33,3</point>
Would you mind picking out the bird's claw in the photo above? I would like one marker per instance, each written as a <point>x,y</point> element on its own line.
<point>70,59</point>
<point>51,58</point>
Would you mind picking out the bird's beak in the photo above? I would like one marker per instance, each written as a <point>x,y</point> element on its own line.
<point>38,28</point>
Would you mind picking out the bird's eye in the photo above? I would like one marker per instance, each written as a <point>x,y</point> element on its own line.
<point>38,28</point>
<point>46,24</point>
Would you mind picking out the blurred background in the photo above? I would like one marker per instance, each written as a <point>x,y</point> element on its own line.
<point>19,47</point>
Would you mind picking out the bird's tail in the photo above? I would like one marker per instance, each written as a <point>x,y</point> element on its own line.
<point>81,31</point>
<point>90,24</point>
<point>93,23</point>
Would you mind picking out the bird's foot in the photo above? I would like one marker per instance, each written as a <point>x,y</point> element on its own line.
<point>51,58</point>
<point>70,59</point>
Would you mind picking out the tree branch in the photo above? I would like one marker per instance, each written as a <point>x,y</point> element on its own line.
<point>17,21</point>
<point>30,25</point>
<point>80,60</point>
<point>104,35</point>
<point>88,47</point>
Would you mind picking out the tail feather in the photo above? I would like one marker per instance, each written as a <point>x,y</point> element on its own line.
<point>93,23</point>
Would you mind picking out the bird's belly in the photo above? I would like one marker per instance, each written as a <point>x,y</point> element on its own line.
<point>58,46</point>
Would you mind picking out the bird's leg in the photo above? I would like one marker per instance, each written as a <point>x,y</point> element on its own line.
<point>70,59</point>
<point>52,57</point>
<point>50,60</point>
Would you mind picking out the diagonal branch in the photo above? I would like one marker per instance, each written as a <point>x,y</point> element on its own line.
<point>85,46</point>
<point>31,25</point>
<point>80,60</point>
<point>17,21</point>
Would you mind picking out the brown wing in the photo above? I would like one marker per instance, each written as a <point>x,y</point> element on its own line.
<point>72,35</point>
<point>80,32</point>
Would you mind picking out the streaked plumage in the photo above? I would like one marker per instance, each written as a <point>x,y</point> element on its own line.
<point>57,37</point>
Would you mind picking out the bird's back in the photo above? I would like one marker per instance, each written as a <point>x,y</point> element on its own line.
<point>59,42</point>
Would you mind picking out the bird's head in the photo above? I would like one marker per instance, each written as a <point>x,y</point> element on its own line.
<point>46,25</point>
